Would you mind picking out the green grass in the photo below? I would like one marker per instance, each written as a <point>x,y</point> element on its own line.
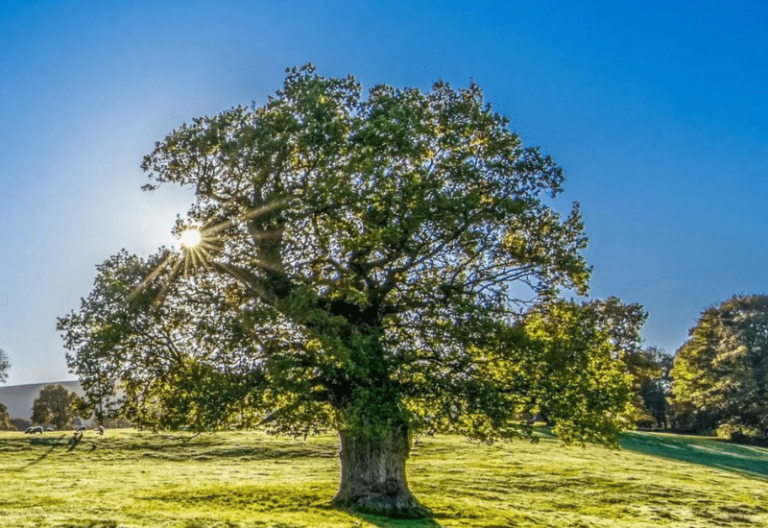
<point>248,479</point>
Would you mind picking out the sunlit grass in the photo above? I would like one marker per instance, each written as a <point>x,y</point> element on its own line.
<point>248,479</point>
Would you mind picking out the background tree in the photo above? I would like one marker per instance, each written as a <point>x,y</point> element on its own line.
<point>648,368</point>
<point>720,375</point>
<point>54,405</point>
<point>653,382</point>
<point>580,378</point>
<point>364,264</point>
<point>5,366</point>
<point>5,419</point>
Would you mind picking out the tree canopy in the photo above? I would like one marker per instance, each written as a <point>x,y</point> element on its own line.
<point>379,264</point>
<point>720,375</point>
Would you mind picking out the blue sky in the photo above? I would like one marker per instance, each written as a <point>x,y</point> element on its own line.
<point>658,112</point>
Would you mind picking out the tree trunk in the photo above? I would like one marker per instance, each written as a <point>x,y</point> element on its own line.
<point>373,475</point>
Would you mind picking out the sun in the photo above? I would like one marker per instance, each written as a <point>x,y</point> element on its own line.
<point>190,238</point>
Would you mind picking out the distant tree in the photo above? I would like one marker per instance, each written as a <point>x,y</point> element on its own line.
<point>652,381</point>
<point>720,375</point>
<point>5,366</point>
<point>54,405</point>
<point>365,263</point>
<point>623,322</point>
<point>5,419</point>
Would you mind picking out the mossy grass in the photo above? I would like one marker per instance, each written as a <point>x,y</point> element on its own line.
<point>128,478</point>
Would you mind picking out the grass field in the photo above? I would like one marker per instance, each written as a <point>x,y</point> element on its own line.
<point>248,479</point>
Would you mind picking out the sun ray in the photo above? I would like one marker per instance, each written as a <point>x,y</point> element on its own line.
<point>168,281</point>
<point>154,273</point>
<point>197,258</point>
<point>204,255</point>
<point>210,230</point>
<point>244,280</point>
<point>268,265</point>
<point>186,266</point>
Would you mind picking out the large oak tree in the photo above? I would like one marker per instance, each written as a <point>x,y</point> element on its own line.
<point>368,263</point>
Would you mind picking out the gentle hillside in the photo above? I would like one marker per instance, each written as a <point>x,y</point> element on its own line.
<point>246,479</point>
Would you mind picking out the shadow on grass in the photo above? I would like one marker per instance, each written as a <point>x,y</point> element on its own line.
<point>49,441</point>
<point>386,522</point>
<point>204,448</point>
<point>53,442</point>
<point>748,461</point>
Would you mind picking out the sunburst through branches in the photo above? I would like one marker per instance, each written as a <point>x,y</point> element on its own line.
<point>195,247</point>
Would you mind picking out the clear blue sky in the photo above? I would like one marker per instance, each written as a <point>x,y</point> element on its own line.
<point>658,112</point>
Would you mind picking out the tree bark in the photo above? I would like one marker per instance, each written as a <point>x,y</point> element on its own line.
<point>373,478</point>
